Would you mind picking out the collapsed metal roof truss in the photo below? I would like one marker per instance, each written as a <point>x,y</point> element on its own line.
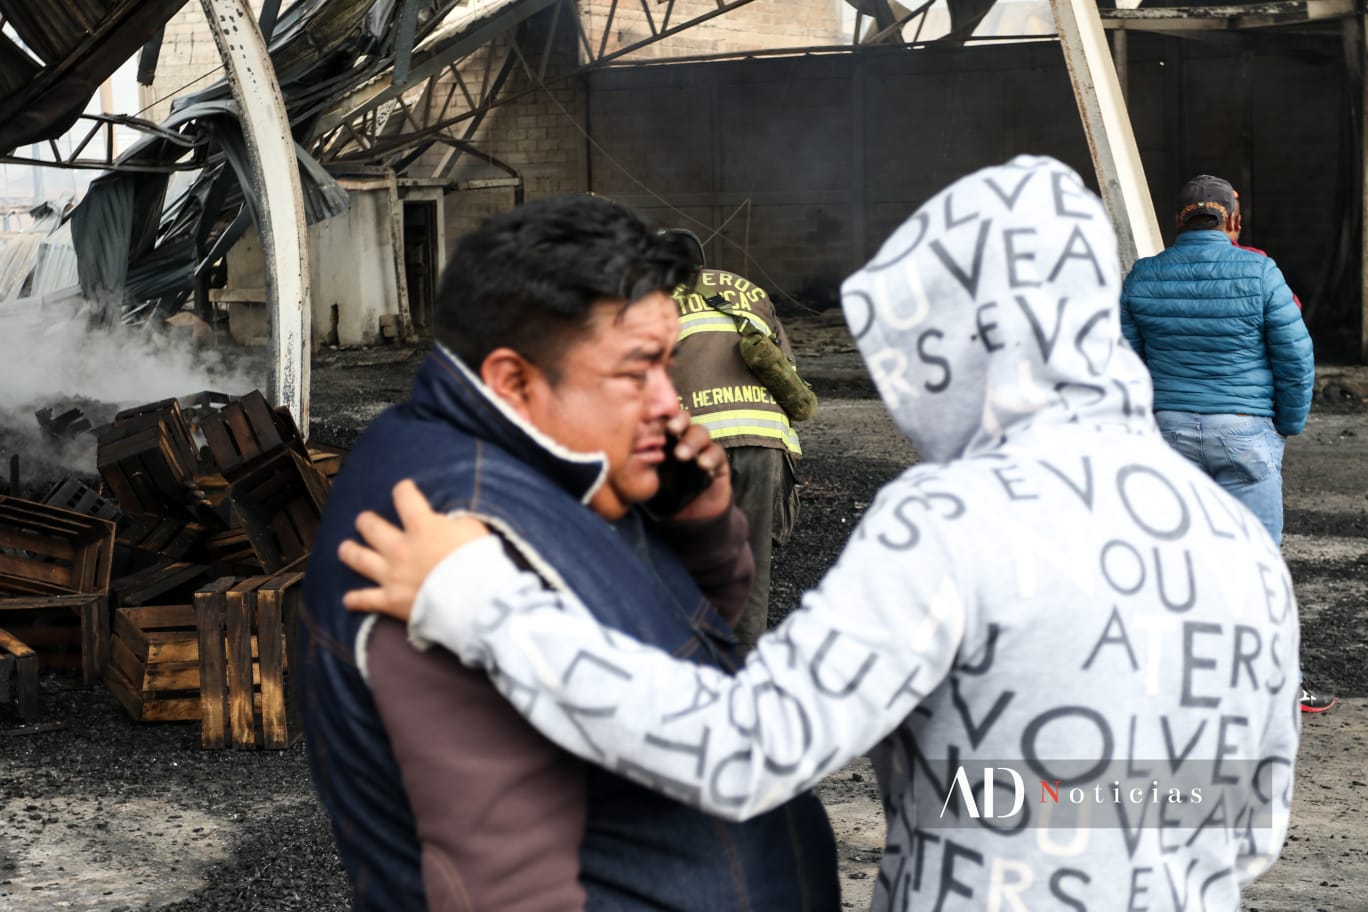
<point>60,53</point>
<point>448,85</point>
<point>96,148</point>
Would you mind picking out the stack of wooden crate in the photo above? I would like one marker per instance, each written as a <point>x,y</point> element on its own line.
<point>223,660</point>
<point>178,583</point>
<point>54,573</point>
<point>274,484</point>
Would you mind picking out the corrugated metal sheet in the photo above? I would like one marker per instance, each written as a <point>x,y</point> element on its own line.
<point>37,277</point>
<point>77,44</point>
<point>155,256</point>
<point>52,29</point>
<point>17,69</point>
<point>133,243</point>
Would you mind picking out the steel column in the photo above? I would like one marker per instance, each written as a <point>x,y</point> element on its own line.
<point>1121,58</point>
<point>1356,63</point>
<point>279,200</point>
<point>1120,174</point>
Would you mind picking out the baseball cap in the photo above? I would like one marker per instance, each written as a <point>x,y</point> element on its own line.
<point>1206,195</point>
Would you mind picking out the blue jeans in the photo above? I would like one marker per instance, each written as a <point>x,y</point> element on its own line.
<point>1243,453</point>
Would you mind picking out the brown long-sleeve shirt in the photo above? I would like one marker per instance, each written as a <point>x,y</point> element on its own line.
<point>500,810</point>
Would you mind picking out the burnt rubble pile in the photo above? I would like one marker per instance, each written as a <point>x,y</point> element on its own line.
<point>174,579</point>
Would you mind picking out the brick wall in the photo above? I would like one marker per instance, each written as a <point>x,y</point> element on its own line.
<point>540,132</point>
<point>759,25</point>
<point>189,60</point>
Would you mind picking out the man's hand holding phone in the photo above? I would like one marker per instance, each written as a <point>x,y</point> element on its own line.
<point>695,479</point>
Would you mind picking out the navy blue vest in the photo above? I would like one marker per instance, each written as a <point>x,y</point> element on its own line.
<point>641,850</point>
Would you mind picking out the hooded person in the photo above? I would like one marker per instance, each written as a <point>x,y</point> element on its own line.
<point>1072,656</point>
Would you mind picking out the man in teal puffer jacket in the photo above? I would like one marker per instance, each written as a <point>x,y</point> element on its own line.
<point>1231,359</point>
<point>1230,356</point>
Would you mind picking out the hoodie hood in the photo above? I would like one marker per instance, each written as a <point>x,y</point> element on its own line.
<point>993,310</point>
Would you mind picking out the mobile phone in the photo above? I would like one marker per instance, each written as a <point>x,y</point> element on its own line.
<point>680,482</point>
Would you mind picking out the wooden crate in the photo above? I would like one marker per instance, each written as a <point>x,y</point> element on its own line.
<point>148,459</point>
<point>229,553</point>
<point>45,550</point>
<point>143,541</point>
<point>233,616</point>
<point>74,494</point>
<point>197,407</point>
<point>246,430</point>
<point>154,663</point>
<point>328,460</point>
<point>66,631</point>
<point>280,501</point>
<point>166,581</point>
<point>18,676</point>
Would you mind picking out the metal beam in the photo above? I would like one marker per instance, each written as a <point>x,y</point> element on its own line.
<point>1120,174</point>
<point>1229,16</point>
<point>403,41</point>
<point>1311,11</point>
<point>439,50</point>
<point>278,197</point>
<point>1356,65</point>
<point>99,137</point>
<point>1121,59</point>
<point>456,40</point>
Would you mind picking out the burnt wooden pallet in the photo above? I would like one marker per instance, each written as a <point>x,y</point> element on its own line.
<point>210,612</point>
<point>166,581</point>
<point>229,553</point>
<point>66,631</point>
<point>45,550</point>
<point>148,459</point>
<point>245,703</point>
<point>278,603</point>
<point>227,691</point>
<point>280,502</point>
<point>143,541</point>
<point>18,676</point>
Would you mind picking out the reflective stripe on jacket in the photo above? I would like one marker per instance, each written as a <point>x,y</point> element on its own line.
<point>714,384</point>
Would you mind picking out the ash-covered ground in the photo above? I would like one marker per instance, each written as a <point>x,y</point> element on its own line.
<point>107,814</point>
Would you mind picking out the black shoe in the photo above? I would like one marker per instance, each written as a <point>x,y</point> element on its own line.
<point>1316,701</point>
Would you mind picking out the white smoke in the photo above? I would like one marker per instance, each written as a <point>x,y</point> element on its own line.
<point>65,363</point>
<point>58,352</point>
<point>116,365</point>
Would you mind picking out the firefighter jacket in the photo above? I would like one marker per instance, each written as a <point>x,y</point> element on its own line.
<point>714,384</point>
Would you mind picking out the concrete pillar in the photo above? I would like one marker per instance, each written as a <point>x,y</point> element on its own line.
<point>1120,174</point>
<point>275,182</point>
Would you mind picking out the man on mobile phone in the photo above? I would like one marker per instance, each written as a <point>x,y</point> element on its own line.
<point>543,409</point>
